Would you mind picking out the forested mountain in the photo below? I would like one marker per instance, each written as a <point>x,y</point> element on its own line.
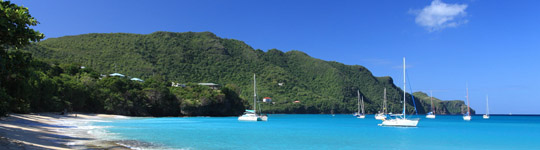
<point>442,107</point>
<point>190,57</point>
<point>30,85</point>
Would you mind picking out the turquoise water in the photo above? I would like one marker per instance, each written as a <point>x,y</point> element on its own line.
<point>331,132</point>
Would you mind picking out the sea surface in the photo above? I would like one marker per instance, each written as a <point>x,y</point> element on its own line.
<point>284,131</point>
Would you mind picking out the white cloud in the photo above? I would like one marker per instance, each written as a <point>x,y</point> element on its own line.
<point>440,15</point>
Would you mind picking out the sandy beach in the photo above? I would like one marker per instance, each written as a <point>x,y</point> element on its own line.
<point>53,131</point>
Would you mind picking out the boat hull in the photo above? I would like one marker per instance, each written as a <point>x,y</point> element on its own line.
<point>430,116</point>
<point>264,118</point>
<point>485,116</point>
<point>466,118</point>
<point>380,117</point>
<point>249,118</point>
<point>361,116</point>
<point>400,122</point>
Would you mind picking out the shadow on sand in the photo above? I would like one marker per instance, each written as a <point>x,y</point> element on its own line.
<point>34,134</point>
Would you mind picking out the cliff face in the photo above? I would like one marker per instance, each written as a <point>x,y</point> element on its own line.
<point>320,86</point>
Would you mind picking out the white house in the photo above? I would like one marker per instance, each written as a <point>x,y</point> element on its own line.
<point>211,85</point>
<point>174,84</point>
<point>137,79</point>
<point>267,100</point>
<point>116,75</point>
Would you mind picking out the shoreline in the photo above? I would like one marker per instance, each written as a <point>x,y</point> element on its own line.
<point>54,131</point>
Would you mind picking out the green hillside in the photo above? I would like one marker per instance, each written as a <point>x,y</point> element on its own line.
<point>190,57</point>
<point>442,107</point>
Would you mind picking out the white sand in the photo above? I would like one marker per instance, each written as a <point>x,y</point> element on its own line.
<point>51,131</point>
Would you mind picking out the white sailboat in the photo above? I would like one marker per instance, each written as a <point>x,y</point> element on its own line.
<point>401,120</point>
<point>251,115</point>
<point>486,116</point>
<point>467,117</point>
<point>263,117</point>
<point>361,115</point>
<point>357,114</point>
<point>382,115</point>
<point>431,115</point>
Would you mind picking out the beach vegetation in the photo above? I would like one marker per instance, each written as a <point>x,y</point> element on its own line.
<point>202,57</point>
<point>70,73</point>
<point>32,85</point>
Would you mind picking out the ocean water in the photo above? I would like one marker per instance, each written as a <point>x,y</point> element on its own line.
<point>328,132</point>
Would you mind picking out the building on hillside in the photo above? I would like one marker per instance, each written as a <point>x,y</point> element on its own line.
<point>174,84</point>
<point>296,102</point>
<point>211,85</point>
<point>137,79</point>
<point>117,75</point>
<point>267,99</point>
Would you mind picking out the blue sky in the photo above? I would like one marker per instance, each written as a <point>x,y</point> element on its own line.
<point>493,45</point>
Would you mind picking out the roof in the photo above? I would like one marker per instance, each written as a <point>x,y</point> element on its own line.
<point>117,74</point>
<point>136,79</point>
<point>267,98</point>
<point>209,84</point>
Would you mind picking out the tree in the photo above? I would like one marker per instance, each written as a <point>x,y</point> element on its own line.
<point>321,86</point>
<point>15,22</point>
<point>14,33</point>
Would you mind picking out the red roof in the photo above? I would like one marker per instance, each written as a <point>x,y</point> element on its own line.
<point>267,98</point>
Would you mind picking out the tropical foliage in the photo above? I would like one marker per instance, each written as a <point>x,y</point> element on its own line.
<point>70,74</point>
<point>319,86</point>
<point>30,85</point>
<point>442,107</point>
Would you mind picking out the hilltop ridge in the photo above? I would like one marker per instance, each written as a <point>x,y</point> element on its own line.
<point>194,57</point>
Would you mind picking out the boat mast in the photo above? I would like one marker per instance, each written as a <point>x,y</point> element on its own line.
<point>362,105</point>
<point>254,94</point>
<point>468,108</point>
<point>404,87</point>
<point>358,91</point>
<point>487,105</point>
<point>432,108</point>
<point>384,102</point>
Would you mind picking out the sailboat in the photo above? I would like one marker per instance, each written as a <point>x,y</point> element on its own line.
<point>467,116</point>
<point>361,115</point>
<point>251,115</point>
<point>382,115</point>
<point>431,115</point>
<point>263,117</point>
<point>357,114</point>
<point>401,120</point>
<point>486,116</point>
